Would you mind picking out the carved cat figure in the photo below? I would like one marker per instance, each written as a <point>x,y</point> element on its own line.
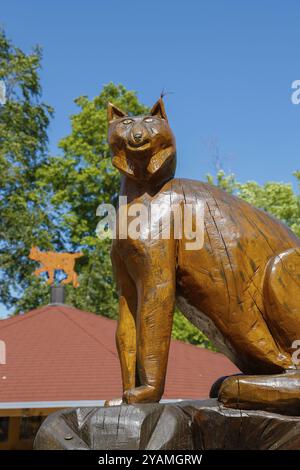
<point>242,288</point>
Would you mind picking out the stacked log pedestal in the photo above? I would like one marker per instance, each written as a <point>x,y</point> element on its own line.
<point>188,425</point>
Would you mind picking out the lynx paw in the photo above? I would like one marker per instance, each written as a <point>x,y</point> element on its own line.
<point>142,394</point>
<point>114,402</point>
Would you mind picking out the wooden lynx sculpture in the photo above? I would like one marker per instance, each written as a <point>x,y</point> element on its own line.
<point>242,288</point>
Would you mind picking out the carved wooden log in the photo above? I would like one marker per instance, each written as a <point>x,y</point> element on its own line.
<point>189,425</point>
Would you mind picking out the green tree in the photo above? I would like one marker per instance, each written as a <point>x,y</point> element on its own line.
<point>226,182</point>
<point>24,215</point>
<point>185,331</point>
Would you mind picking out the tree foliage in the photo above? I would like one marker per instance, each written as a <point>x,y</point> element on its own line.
<point>24,215</point>
<point>185,331</point>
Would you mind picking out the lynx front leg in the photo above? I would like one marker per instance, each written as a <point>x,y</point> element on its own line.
<point>126,329</point>
<point>126,334</point>
<point>40,270</point>
<point>155,281</point>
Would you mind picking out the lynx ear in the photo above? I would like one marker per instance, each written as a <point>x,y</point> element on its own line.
<point>113,112</point>
<point>159,110</point>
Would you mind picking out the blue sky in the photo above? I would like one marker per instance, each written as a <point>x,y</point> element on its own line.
<point>229,65</point>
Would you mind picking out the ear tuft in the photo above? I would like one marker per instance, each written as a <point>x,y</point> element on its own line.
<point>114,113</point>
<point>159,110</point>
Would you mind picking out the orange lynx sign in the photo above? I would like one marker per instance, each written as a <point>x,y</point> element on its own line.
<point>52,261</point>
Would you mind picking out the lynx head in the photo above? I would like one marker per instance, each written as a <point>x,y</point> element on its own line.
<point>34,253</point>
<point>143,147</point>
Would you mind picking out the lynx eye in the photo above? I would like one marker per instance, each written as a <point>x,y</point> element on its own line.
<point>149,119</point>
<point>127,121</point>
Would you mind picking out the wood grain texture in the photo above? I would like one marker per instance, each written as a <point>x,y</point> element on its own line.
<point>242,288</point>
<point>190,425</point>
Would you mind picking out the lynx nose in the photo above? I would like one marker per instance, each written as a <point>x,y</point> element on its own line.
<point>137,136</point>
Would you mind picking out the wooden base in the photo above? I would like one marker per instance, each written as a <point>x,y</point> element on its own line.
<point>189,425</point>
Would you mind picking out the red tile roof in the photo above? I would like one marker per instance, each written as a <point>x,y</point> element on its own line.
<point>59,353</point>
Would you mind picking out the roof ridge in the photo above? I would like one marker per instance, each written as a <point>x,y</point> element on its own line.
<point>86,331</point>
<point>86,312</point>
<point>11,320</point>
<point>18,318</point>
